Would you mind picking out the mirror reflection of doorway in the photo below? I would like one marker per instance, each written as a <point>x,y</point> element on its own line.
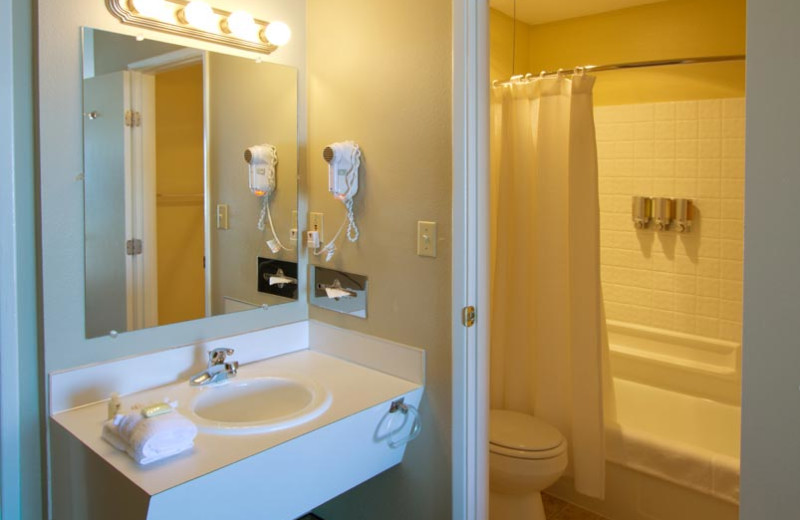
<point>180,202</point>
<point>145,161</point>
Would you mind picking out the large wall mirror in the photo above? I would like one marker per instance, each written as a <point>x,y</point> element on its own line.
<point>173,230</point>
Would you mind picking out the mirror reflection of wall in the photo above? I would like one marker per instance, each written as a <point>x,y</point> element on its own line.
<point>165,129</point>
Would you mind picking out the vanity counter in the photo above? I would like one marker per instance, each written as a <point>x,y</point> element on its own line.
<point>353,389</point>
<point>279,475</point>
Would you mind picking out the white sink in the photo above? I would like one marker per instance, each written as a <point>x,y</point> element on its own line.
<point>258,405</point>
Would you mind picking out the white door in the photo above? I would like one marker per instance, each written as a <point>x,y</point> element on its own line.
<point>106,173</point>
<point>119,180</point>
<point>770,345</point>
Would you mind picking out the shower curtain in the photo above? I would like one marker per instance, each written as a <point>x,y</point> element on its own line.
<point>548,325</point>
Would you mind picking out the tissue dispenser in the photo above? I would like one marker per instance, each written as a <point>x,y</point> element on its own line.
<point>277,277</point>
<point>338,291</point>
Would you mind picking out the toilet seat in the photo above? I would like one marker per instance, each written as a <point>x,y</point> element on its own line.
<point>522,436</point>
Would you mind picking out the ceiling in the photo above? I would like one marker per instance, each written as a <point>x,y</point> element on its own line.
<point>543,11</point>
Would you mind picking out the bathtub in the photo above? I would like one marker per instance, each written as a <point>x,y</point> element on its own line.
<point>673,428</point>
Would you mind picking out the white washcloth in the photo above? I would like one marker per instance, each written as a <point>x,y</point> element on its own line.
<point>149,440</point>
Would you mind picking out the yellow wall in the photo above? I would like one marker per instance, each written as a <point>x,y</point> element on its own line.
<point>672,29</point>
<point>179,171</point>
<point>501,37</point>
<point>380,74</point>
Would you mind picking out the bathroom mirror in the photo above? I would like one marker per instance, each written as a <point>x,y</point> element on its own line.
<point>173,231</point>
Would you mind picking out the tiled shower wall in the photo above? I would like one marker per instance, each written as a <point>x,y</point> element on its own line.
<point>693,149</point>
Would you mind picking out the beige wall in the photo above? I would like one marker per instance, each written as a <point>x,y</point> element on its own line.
<point>379,74</point>
<point>251,104</point>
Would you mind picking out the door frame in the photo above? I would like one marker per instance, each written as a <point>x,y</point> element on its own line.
<point>143,96</point>
<point>470,352</point>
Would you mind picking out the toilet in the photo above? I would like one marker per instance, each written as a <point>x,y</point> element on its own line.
<point>526,455</point>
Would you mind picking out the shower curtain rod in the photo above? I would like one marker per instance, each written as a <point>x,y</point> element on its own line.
<point>624,66</point>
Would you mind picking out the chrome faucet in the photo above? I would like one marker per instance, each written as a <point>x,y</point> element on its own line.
<point>218,370</point>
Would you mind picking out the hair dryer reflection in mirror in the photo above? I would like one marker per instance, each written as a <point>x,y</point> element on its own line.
<point>262,163</point>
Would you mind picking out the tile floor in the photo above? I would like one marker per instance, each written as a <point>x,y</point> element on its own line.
<point>556,509</point>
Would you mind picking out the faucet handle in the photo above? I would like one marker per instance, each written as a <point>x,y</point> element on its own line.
<point>218,355</point>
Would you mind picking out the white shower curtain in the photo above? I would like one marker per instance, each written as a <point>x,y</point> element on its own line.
<point>548,325</point>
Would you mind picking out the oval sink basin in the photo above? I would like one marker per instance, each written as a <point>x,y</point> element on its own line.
<point>258,405</point>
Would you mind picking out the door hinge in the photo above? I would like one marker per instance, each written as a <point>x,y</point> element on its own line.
<point>133,246</point>
<point>468,316</point>
<point>133,118</point>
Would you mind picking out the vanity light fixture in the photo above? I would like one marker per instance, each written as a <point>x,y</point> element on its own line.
<point>241,24</point>
<point>277,33</point>
<point>197,14</point>
<point>149,8</point>
<point>199,20</point>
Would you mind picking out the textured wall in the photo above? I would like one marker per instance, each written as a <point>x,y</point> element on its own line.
<point>695,149</point>
<point>379,74</point>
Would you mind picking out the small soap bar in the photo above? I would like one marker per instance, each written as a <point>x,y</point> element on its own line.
<point>154,410</point>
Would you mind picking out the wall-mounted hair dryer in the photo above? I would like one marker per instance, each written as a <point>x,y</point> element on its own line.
<point>344,161</point>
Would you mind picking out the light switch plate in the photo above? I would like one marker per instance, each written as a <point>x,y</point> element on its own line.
<point>315,223</point>
<point>222,216</point>
<point>426,238</point>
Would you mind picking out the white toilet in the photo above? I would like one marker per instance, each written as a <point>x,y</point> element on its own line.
<point>526,455</point>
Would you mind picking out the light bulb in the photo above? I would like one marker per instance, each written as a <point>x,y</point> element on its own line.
<point>241,24</point>
<point>197,13</point>
<point>149,8</point>
<point>277,33</point>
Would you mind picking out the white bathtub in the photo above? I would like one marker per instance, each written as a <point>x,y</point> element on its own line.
<point>673,431</point>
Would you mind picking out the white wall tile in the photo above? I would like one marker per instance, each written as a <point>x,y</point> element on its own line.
<point>733,108</point>
<point>686,110</point>
<point>710,109</point>
<point>695,149</point>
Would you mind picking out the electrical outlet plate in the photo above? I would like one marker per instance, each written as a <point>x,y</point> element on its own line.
<point>315,223</point>
<point>426,238</point>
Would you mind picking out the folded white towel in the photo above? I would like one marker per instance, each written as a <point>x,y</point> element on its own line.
<point>149,440</point>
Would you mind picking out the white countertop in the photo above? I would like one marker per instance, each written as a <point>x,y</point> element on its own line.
<point>354,388</point>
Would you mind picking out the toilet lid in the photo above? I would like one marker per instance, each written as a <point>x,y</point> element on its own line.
<point>523,432</point>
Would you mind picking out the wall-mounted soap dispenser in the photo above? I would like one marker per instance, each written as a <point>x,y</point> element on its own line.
<point>662,213</point>
<point>641,212</point>
<point>684,210</point>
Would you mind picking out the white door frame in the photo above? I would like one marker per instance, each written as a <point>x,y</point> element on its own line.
<point>10,441</point>
<point>143,95</point>
<point>470,356</point>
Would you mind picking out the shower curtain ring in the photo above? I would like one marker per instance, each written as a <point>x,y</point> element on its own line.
<point>579,71</point>
<point>542,74</point>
